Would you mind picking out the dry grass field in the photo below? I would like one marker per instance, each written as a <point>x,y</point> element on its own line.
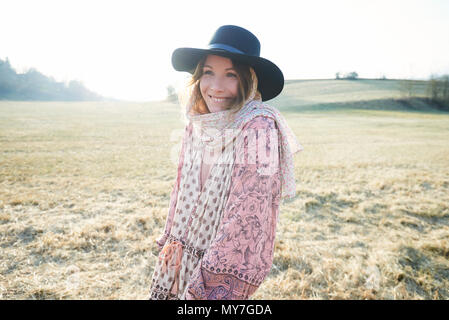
<point>84,190</point>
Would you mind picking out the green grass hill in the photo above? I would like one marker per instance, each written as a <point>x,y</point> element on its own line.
<point>371,94</point>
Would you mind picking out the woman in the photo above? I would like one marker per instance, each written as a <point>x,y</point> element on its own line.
<point>235,165</point>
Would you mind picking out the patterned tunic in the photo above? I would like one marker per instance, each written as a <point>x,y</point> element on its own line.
<point>221,252</point>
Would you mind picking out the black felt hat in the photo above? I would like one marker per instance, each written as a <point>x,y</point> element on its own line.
<point>240,45</point>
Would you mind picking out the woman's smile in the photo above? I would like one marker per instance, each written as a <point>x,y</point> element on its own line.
<point>216,99</point>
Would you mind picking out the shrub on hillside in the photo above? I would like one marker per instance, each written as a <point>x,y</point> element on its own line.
<point>438,91</point>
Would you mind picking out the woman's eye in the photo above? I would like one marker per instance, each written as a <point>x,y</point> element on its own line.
<point>232,75</point>
<point>207,72</point>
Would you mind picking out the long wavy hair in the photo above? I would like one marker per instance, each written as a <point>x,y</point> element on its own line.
<point>247,86</point>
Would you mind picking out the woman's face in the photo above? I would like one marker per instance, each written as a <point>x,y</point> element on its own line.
<point>219,83</point>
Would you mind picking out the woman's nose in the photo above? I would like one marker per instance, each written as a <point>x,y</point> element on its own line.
<point>217,84</point>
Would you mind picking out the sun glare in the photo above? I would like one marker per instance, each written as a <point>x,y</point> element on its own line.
<point>123,49</point>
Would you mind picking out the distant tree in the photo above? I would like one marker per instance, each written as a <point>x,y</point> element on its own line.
<point>438,91</point>
<point>446,88</point>
<point>352,75</point>
<point>434,89</point>
<point>171,94</point>
<point>76,89</point>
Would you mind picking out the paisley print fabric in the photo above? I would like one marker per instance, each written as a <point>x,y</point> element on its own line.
<point>241,255</point>
<point>218,239</point>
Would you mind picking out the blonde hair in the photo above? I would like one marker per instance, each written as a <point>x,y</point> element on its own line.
<point>192,100</point>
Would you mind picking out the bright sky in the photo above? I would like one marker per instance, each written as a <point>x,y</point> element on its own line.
<point>122,49</point>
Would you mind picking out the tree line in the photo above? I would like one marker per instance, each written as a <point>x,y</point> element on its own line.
<point>33,85</point>
<point>438,91</point>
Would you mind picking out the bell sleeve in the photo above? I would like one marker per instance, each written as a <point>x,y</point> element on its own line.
<point>241,254</point>
<point>174,194</point>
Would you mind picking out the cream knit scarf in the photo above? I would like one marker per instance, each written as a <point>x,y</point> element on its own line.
<point>213,132</point>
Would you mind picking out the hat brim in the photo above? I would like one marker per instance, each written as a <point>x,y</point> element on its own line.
<point>270,77</point>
